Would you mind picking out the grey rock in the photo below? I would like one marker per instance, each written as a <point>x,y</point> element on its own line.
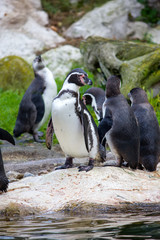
<point>23,29</point>
<point>28,174</point>
<point>14,176</point>
<point>112,20</point>
<point>103,186</point>
<point>60,60</point>
<point>109,20</point>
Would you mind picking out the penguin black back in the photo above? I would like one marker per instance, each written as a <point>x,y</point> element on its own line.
<point>31,109</point>
<point>119,125</point>
<point>149,129</point>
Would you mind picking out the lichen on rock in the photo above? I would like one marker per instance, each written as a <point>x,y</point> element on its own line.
<point>15,73</point>
<point>136,63</point>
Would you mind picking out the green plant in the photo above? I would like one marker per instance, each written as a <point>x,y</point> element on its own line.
<point>149,14</point>
<point>54,6</point>
<point>63,13</point>
<point>147,38</point>
<point>155,102</point>
<point>9,104</point>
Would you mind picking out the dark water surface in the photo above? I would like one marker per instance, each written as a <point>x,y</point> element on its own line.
<point>104,226</point>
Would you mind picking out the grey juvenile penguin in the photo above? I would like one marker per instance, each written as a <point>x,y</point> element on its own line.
<point>4,135</point>
<point>149,129</point>
<point>35,106</point>
<point>95,97</point>
<point>72,123</point>
<point>119,126</point>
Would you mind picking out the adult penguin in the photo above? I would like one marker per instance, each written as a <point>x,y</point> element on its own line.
<point>119,126</point>
<point>35,106</point>
<point>72,123</point>
<point>95,97</point>
<point>149,129</point>
<point>4,135</point>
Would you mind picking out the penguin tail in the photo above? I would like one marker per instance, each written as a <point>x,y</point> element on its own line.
<point>4,135</point>
<point>18,130</point>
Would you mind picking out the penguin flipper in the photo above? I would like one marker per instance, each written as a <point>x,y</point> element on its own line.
<point>105,125</point>
<point>37,100</point>
<point>4,135</point>
<point>49,134</point>
<point>84,115</point>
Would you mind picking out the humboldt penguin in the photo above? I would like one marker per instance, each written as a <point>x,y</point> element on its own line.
<point>149,129</point>
<point>4,135</point>
<point>35,106</point>
<point>119,126</point>
<point>73,125</point>
<point>95,97</point>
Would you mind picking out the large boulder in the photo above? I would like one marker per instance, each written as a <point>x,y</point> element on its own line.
<point>22,29</point>
<point>114,20</point>
<point>15,73</point>
<point>70,190</point>
<point>110,20</point>
<point>61,60</point>
<point>137,63</point>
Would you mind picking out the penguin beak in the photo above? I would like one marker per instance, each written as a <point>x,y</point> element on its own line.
<point>89,81</point>
<point>39,58</point>
<point>85,80</point>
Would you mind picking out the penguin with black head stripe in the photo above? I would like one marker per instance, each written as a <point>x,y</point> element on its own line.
<point>72,123</point>
<point>149,129</point>
<point>119,126</point>
<point>4,135</point>
<point>95,97</point>
<point>35,106</point>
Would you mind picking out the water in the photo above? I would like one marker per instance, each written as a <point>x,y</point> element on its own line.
<point>65,227</point>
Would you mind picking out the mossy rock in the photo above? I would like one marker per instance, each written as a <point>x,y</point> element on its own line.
<point>136,63</point>
<point>15,73</point>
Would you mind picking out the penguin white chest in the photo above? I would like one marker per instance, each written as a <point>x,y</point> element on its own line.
<point>68,127</point>
<point>110,142</point>
<point>48,94</point>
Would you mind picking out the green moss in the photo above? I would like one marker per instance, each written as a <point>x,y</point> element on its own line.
<point>131,50</point>
<point>141,72</point>
<point>15,73</point>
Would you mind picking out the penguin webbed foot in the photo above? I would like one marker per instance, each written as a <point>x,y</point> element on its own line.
<point>87,168</point>
<point>68,164</point>
<point>36,138</point>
